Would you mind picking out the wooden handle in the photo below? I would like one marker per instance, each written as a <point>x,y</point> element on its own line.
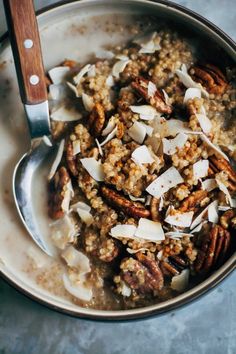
<point>25,42</point>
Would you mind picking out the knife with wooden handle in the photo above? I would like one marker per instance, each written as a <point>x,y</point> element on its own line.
<point>25,42</point>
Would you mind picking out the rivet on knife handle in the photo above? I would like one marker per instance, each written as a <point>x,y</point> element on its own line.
<point>24,36</point>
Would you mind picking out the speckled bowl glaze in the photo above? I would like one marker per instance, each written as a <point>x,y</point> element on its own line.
<point>74,30</point>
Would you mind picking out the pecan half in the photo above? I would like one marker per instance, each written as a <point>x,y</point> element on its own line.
<point>57,193</point>
<point>142,275</point>
<point>193,201</point>
<point>157,100</point>
<point>96,119</point>
<point>220,164</point>
<point>128,207</point>
<point>228,219</point>
<point>210,77</point>
<point>213,249</point>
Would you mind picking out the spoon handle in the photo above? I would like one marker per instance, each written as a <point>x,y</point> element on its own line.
<point>24,36</point>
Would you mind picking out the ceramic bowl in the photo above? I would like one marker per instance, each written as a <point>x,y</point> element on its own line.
<point>74,30</point>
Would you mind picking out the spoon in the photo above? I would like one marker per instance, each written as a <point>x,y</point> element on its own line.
<point>25,42</point>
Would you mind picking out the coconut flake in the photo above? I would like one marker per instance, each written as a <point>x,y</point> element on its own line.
<point>104,54</point>
<point>119,67</point>
<point>81,73</point>
<point>204,122</point>
<point>198,228</point>
<point>200,169</point>
<point>80,205</point>
<point>65,115</point>
<point>87,102</point>
<point>131,251</point>
<point>148,200</point>
<point>146,112</point>
<point>76,259</point>
<point>200,217</point>
<point>142,155</point>
<point>209,184</point>
<point>180,282</point>
<point>161,203</point>
<point>109,136</point>
<point>213,146</point>
<point>135,199</point>
<point>73,88</point>
<point>166,97</point>
<point>68,194</point>
<point>76,147</point>
<point>110,81</point>
<point>56,92</point>
<point>57,160</point>
<point>149,230</point>
<point>110,126</point>
<point>85,216</point>
<point>137,132</point>
<point>180,219</point>
<point>47,141</point>
<point>149,129</point>
<point>125,289</point>
<point>152,89</point>
<point>172,127</point>
<point>149,48</point>
<point>213,212</point>
<point>148,43</point>
<point>99,147</point>
<point>224,189</point>
<point>192,93</point>
<point>170,146</point>
<point>224,208</point>
<point>63,232</point>
<point>57,74</point>
<point>123,231</point>
<point>77,290</point>
<point>177,235</point>
<point>164,182</point>
<point>188,82</point>
<point>94,168</point>
<point>122,57</point>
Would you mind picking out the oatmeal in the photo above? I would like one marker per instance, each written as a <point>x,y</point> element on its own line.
<point>142,191</point>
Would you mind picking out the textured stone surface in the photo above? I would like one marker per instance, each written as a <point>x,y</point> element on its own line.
<point>206,326</point>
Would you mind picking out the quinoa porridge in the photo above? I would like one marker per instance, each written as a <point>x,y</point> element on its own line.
<point>142,190</point>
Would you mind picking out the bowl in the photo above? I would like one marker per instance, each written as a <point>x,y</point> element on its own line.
<point>74,30</point>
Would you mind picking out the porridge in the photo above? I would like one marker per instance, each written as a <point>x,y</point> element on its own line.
<point>142,190</point>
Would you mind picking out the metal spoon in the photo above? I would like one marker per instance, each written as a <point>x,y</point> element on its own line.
<point>25,42</point>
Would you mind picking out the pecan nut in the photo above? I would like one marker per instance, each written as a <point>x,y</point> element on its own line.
<point>142,275</point>
<point>57,193</point>
<point>157,100</point>
<point>213,249</point>
<point>96,119</point>
<point>173,266</point>
<point>210,77</point>
<point>134,209</point>
<point>228,219</point>
<point>218,165</point>
<point>193,201</point>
